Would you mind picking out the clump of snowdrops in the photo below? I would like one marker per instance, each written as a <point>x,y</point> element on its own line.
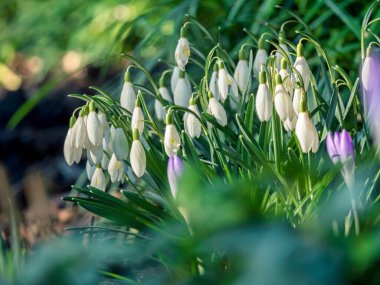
<point>262,119</point>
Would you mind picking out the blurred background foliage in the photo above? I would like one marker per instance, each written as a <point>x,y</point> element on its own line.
<point>45,44</point>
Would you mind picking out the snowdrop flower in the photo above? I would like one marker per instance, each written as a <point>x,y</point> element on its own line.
<point>174,78</point>
<point>120,144</point>
<point>302,67</point>
<point>90,169</point>
<point>290,125</point>
<point>96,154</point>
<point>286,78</point>
<point>115,169</point>
<point>86,143</point>
<point>138,117</point>
<point>69,149</point>
<point>225,81</point>
<point>175,169</point>
<point>80,131</point>
<point>282,101</point>
<point>172,141</point>
<point>137,158</point>
<point>241,74</point>
<point>182,91</point>
<point>213,84</point>
<point>264,103</point>
<point>160,112</point>
<point>297,98</point>
<point>306,132</point>
<point>216,109</point>
<point>260,59</point>
<point>182,51</point>
<point>192,125</point>
<point>98,180</point>
<point>284,47</point>
<point>94,127</point>
<point>128,95</point>
<point>105,161</point>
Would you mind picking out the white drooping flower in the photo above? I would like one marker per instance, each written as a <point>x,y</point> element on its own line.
<point>172,141</point>
<point>120,144</point>
<point>302,67</point>
<point>260,59</point>
<point>264,101</point>
<point>98,179</point>
<point>80,131</point>
<point>216,109</point>
<point>306,132</point>
<point>137,118</point>
<point>69,149</point>
<point>284,48</point>
<point>137,156</point>
<point>290,125</point>
<point>115,169</point>
<point>174,78</point>
<point>286,77</point>
<point>368,69</point>
<point>297,98</point>
<point>213,84</point>
<point>192,124</point>
<point>86,144</point>
<point>160,112</point>
<point>105,161</point>
<point>282,101</point>
<point>90,169</point>
<point>128,95</point>
<point>225,82</point>
<point>96,154</point>
<point>241,74</point>
<point>94,127</point>
<point>182,51</point>
<point>182,91</point>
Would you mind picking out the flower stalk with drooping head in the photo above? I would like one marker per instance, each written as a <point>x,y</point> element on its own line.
<point>182,51</point>
<point>192,125</point>
<point>172,141</point>
<point>241,74</point>
<point>306,132</point>
<point>164,92</point>
<point>137,156</point>
<point>261,57</point>
<point>264,101</point>
<point>302,67</point>
<point>128,95</point>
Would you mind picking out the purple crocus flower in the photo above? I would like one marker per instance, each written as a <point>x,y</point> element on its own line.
<point>175,168</point>
<point>340,146</point>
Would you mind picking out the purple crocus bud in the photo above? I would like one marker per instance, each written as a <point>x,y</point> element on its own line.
<point>346,146</point>
<point>175,168</point>
<point>331,149</point>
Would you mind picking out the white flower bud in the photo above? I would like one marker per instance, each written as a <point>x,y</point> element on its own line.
<point>174,78</point>
<point>264,103</point>
<point>307,134</point>
<point>297,99</point>
<point>213,84</point>
<point>302,67</point>
<point>160,112</point>
<point>241,75</point>
<point>172,141</point>
<point>216,109</point>
<point>128,97</point>
<point>137,158</point>
<point>260,59</point>
<point>68,149</point>
<point>192,124</point>
<point>282,101</point>
<point>115,169</point>
<point>94,127</point>
<point>182,53</point>
<point>120,144</point>
<point>137,119</point>
<point>182,92</point>
<point>96,154</point>
<point>98,180</point>
<point>90,169</point>
<point>105,161</point>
